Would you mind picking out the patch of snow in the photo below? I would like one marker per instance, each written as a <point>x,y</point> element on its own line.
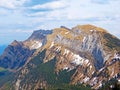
<point>39,45</point>
<point>52,44</point>
<point>116,56</point>
<point>86,79</point>
<point>66,32</point>
<point>90,67</point>
<point>36,45</point>
<point>107,57</point>
<point>100,85</point>
<point>101,69</point>
<point>86,61</point>
<point>77,60</point>
<point>66,51</point>
<point>93,72</point>
<point>65,68</point>
<point>17,84</point>
<point>119,80</point>
<point>84,39</point>
<point>111,86</point>
<point>94,81</point>
<point>70,69</point>
<point>88,64</point>
<point>94,78</point>
<point>91,30</point>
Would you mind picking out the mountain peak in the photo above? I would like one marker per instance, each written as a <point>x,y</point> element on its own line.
<point>64,27</point>
<point>89,28</point>
<point>36,35</point>
<point>15,42</point>
<point>39,34</point>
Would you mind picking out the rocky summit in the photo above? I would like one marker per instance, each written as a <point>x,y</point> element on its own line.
<point>85,57</point>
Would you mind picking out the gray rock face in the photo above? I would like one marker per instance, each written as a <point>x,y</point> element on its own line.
<point>90,43</point>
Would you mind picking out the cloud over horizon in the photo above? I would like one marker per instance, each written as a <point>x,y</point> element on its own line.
<point>28,15</point>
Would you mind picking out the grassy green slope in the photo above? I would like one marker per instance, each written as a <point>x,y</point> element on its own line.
<point>112,42</point>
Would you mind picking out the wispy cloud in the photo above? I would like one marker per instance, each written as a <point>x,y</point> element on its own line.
<point>100,1</point>
<point>51,5</point>
<point>21,31</point>
<point>12,4</point>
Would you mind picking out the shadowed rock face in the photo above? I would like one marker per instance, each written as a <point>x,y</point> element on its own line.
<point>17,53</point>
<point>98,56</point>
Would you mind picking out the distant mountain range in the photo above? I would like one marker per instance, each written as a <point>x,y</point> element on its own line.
<point>85,57</point>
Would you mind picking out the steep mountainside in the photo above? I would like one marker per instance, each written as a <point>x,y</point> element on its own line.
<point>82,58</point>
<point>17,53</point>
<point>85,54</point>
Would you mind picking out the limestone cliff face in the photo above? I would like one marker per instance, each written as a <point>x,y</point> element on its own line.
<point>17,53</point>
<point>91,52</point>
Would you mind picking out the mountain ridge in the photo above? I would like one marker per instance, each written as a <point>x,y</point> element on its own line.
<point>85,55</point>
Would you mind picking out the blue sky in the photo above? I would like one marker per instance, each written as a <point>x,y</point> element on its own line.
<point>18,18</point>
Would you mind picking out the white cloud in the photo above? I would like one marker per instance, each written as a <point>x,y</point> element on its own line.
<point>11,4</point>
<point>4,12</point>
<point>105,15</point>
<point>37,14</point>
<point>7,4</point>
<point>51,5</point>
<point>78,10</point>
<point>87,9</point>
